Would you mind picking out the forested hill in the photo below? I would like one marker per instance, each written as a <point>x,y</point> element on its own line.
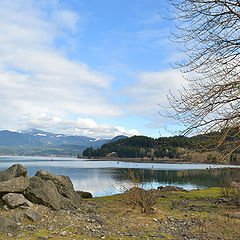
<point>142,146</point>
<point>164,147</point>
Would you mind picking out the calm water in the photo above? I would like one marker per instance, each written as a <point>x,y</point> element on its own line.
<point>106,178</point>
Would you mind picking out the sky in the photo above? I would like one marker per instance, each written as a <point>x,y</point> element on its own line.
<point>87,67</point>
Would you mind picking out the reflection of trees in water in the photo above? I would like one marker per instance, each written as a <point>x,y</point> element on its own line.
<point>203,178</point>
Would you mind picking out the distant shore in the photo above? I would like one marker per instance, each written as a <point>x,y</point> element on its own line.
<point>140,160</point>
<point>156,160</point>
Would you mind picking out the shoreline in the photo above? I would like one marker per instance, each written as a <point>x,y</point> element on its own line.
<point>159,160</point>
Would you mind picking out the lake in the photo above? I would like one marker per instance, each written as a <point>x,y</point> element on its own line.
<point>110,177</point>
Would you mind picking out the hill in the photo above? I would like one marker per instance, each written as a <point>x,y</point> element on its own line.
<point>201,148</point>
<point>37,142</point>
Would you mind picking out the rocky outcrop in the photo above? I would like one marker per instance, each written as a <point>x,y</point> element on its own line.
<point>14,179</point>
<point>54,191</point>
<point>14,200</point>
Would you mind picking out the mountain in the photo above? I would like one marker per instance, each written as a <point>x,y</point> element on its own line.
<point>37,142</point>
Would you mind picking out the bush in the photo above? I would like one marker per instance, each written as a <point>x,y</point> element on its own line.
<point>231,189</point>
<point>137,196</point>
<point>141,198</point>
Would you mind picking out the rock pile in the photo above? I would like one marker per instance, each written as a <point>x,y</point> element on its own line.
<point>45,188</point>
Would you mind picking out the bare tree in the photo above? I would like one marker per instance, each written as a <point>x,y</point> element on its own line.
<point>209,31</point>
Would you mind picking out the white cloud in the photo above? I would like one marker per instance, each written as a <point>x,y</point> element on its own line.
<point>81,126</point>
<point>150,90</point>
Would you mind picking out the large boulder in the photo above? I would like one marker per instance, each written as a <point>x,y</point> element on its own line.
<point>14,200</point>
<point>14,185</point>
<point>14,179</point>
<point>16,170</point>
<point>53,191</point>
<point>8,226</point>
<point>63,184</point>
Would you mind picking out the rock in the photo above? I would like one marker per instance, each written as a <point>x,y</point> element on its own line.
<point>64,233</point>
<point>232,215</point>
<point>84,194</point>
<point>179,204</point>
<point>43,192</point>
<point>16,218</point>
<point>33,216</point>
<point>14,200</point>
<point>170,188</point>
<point>16,170</point>
<point>63,185</point>
<point>20,235</point>
<point>43,237</point>
<point>53,191</point>
<point>18,184</point>
<point>8,226</point>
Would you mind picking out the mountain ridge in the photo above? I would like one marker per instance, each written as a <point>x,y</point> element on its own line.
<point>16,141</point>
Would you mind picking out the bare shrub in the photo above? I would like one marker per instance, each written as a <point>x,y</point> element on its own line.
<point>137,196</point>
<point>231,189</point>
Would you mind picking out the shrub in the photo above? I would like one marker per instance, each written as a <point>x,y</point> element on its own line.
<point>137,196</point>
<point>231,189</point>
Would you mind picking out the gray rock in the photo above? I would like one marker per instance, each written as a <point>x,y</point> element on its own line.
<point>33,216</point>
<point>64,233</point>
<point>63,184</point>
<point>43,192</point>
<point>84,194</point>
<point>8,226</point>
<point>16,170</point>
<point>18,184</point>
<point>16,218</point>
<point>53,191</point>
<point>14,200</point>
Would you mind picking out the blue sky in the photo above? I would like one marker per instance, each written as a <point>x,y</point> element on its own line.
<point>94,68</point>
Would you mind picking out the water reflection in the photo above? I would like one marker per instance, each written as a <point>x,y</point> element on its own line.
<point>105,178</point>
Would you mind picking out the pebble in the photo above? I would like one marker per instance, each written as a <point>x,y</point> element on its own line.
<point>64,233</point>
<point>21,235</point>
<point>9,235</point>
<point>155,220</point>
<point>43,237</point>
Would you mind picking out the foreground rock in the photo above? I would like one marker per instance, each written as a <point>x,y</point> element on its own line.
<point>54,191</point>
<point>14,200</point>
<point>33,216</point>
<point>14,179</point>
<point>16,170</point>
<point>14,185</point>
<point>8,226</point>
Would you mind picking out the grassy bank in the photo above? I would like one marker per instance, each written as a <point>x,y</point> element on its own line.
<point>199,214</point>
